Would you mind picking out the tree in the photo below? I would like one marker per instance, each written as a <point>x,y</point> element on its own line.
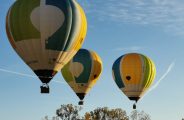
<point>68,112</point>
<point>136,115</point>
<point>106,114</point>
<point>53,118</point>
<point>45,118</point>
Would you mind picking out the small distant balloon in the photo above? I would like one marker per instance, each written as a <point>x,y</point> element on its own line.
<point>46,34</point>
<point>134,74</point>
<point>82,72</point>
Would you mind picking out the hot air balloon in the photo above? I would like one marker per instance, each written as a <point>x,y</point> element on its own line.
<point>134,73</point>
<point>46,34</point>
<point>82,72</point>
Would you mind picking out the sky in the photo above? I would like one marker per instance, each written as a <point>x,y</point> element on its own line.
<point>115,27</point>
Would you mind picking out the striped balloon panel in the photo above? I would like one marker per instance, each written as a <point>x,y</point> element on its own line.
<point>134,73</point>
<point>83,71</point>
<point>46,33</point>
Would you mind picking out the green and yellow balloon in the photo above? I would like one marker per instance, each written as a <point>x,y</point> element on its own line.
<point>82,72</point>
<point>134,74</point>
<point>46,34</point>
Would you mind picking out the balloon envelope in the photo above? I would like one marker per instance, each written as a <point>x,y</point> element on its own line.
<point>134,73</point>
<point>82,72</point>
<point>46,34</point>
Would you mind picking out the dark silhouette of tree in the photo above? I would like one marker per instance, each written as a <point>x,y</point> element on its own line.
<point>106,114</point>
<point>69,112</point>
<point>136,115</point>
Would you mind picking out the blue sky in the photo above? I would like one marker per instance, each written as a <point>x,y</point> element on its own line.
<point>115,27</point>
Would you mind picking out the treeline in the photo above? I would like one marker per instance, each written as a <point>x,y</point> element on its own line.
<point>71,112</point>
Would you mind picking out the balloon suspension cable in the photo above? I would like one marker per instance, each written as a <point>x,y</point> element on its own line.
<point>45,85</point>
<point>44,77</point>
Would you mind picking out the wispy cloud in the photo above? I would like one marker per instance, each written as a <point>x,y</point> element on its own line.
<point>25,75</point>
<point>171,66</point>
<point>131,49</point>
<point>165,13</point>
<point>17,73</point>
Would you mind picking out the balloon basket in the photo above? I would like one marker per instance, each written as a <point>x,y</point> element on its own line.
<point>134,106</point>
<point>45,89</point>
<point>81,102</point>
